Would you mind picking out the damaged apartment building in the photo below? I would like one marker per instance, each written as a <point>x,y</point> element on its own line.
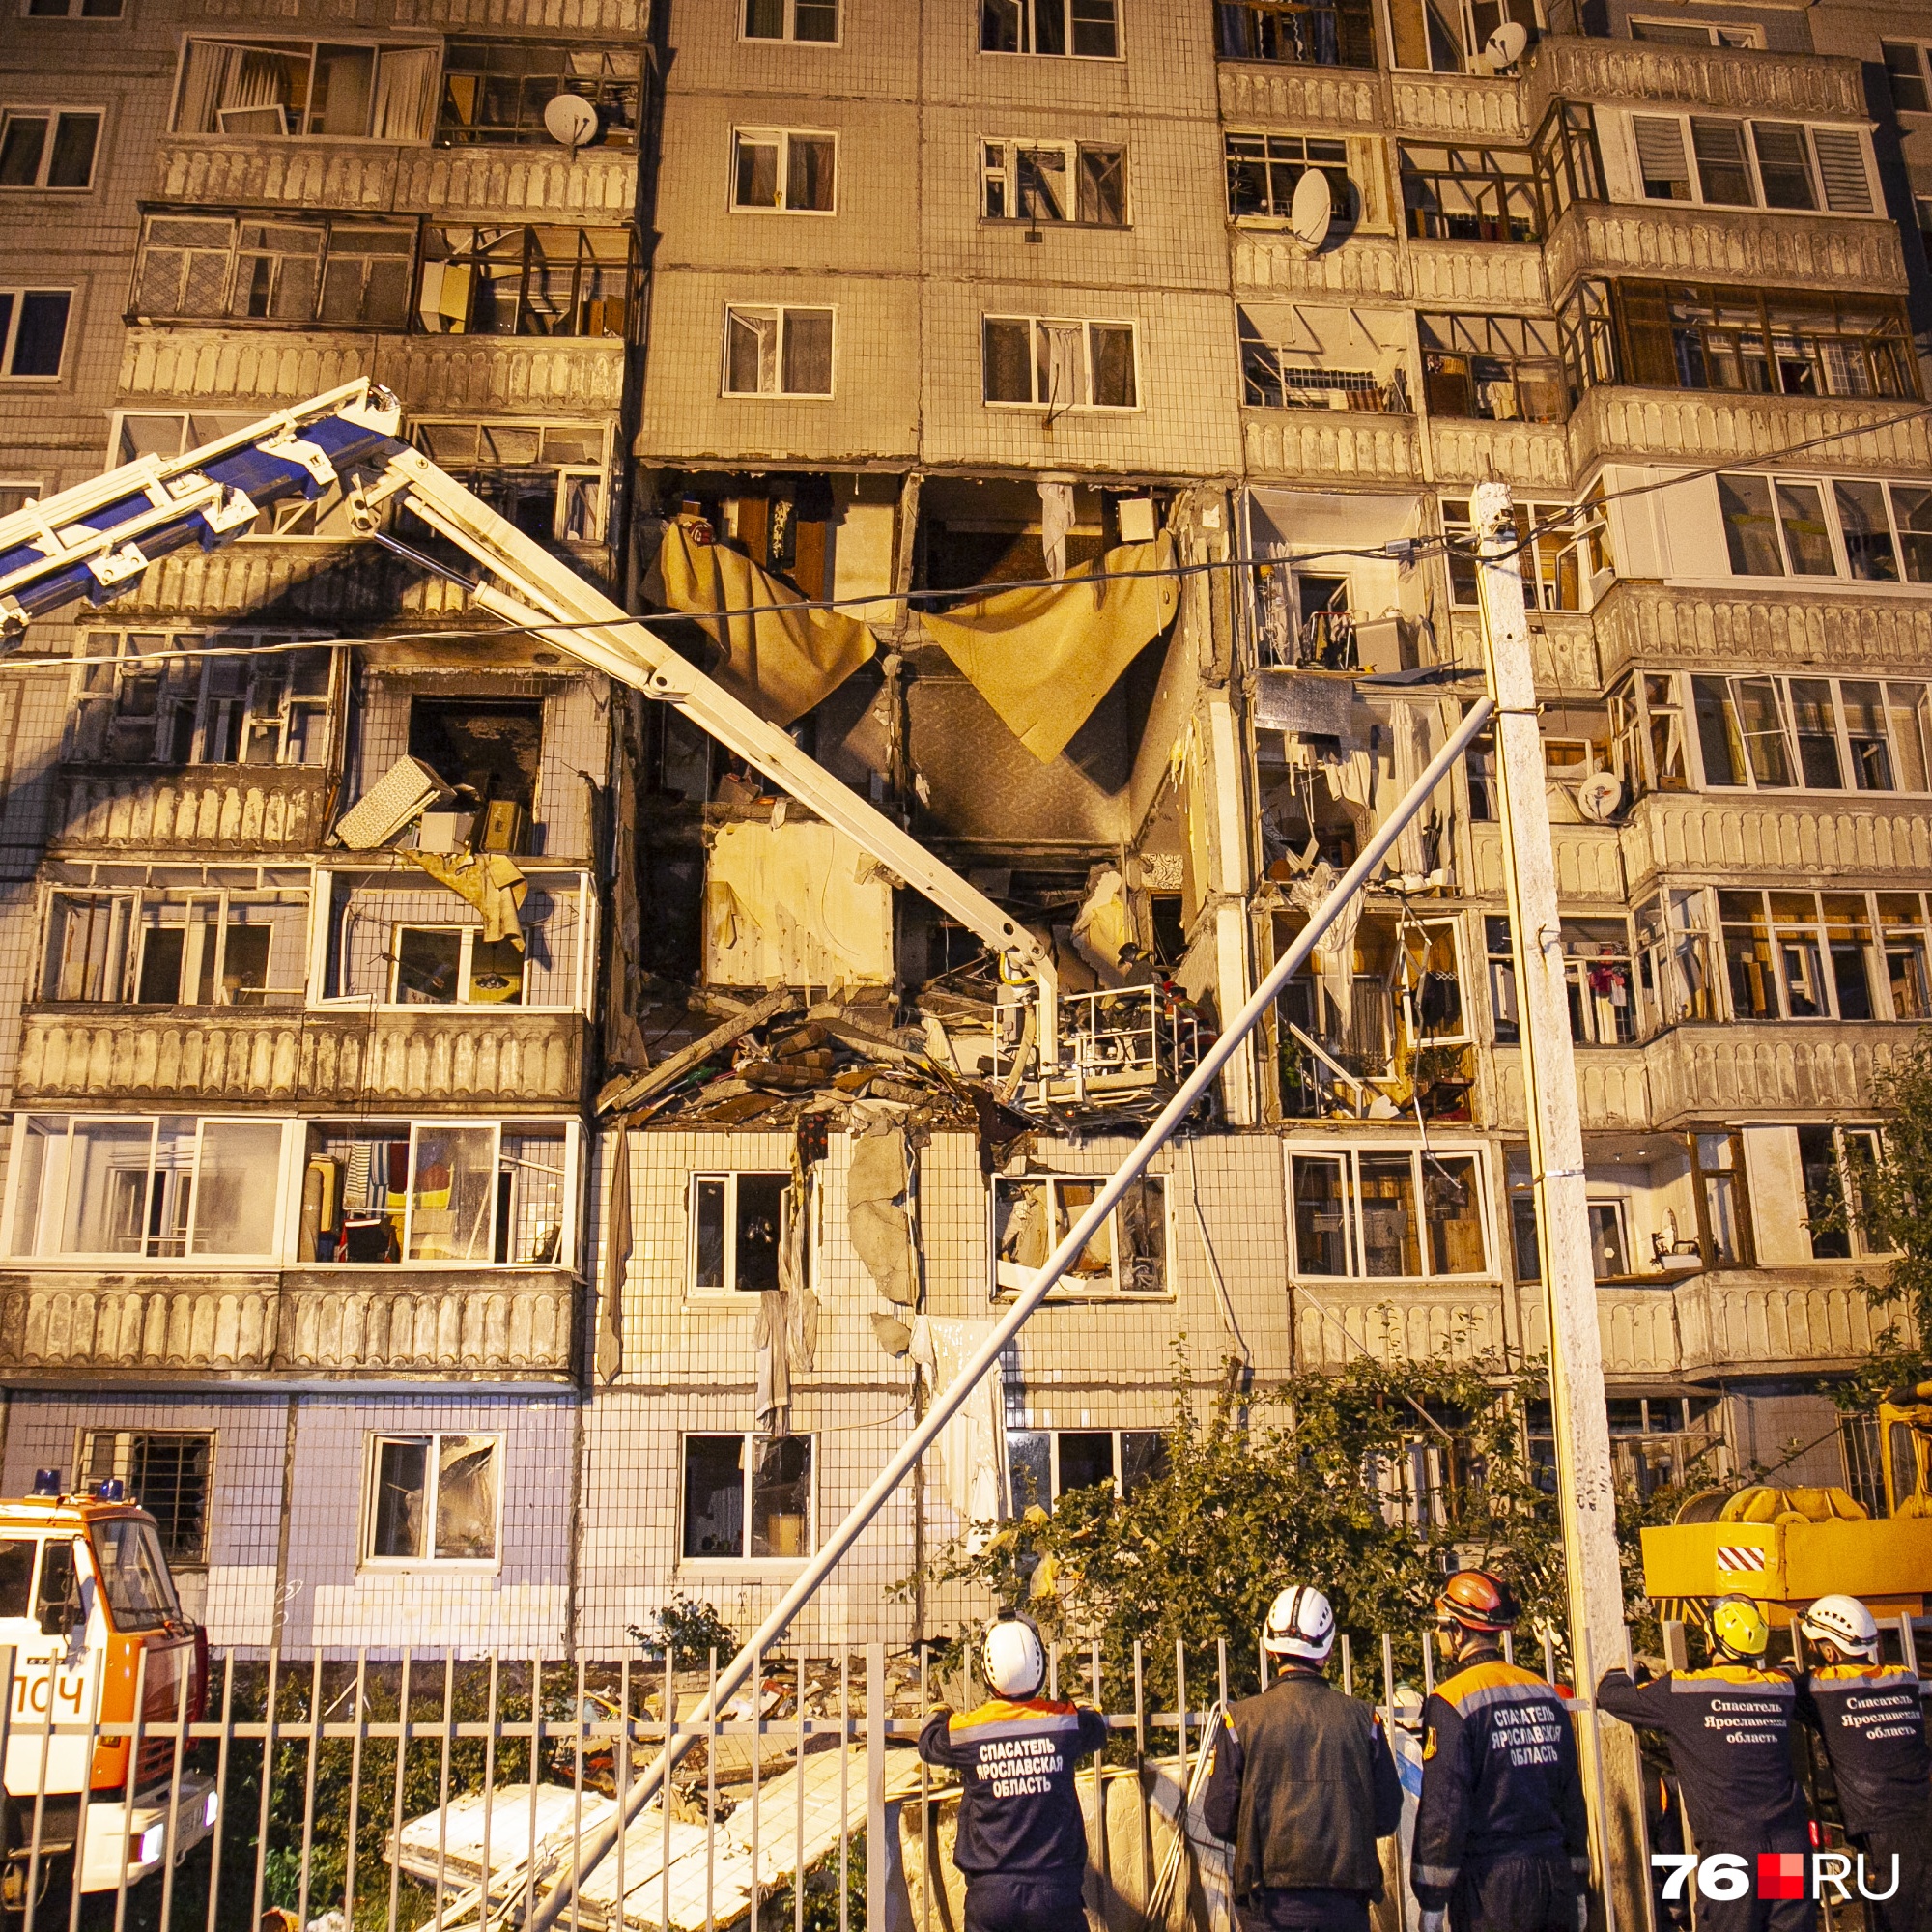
<point>489,1153</point>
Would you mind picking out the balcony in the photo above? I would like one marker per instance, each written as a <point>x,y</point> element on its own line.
<point>1613,1088</point>
<point>1260,91</point>
<point>1495,274</point>
<point>208,809</point>
<point>1562,67</point>
<point>1471,108</point>
<point>278,172</point>
<point>1562,646</point>
<point>1812,840</point>
<point>1645,623</point>
<point>1589,861</point>
<point>1662,238</point>
<point>1532,455</point>
<point>617,19</point>
<point>1685,426</point>
<point>1336,1323</point>
<point>1327,445</point>
<point>1364,265</point>
<point>1700,1072</point>
<point>195,1057</point>
<point>308,1324</point>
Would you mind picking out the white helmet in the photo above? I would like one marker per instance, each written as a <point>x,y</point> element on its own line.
<point>1843,1621</point>
<point>1013,1658</point>
<point>1300,1624</point>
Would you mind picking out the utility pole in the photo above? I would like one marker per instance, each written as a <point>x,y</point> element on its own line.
<point>1587,1493</point>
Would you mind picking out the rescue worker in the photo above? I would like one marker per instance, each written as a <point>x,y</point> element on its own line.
<point>1729,1730</point>
<point>1022,1843</point>
<point>1873,1724</point>
<point>1302,1786</point>
<point>1502,1839</point>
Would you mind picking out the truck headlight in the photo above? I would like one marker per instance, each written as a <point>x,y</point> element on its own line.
<point>211,1809</point>
<point>152,1842</point>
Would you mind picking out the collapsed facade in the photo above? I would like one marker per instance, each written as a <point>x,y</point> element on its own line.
<point>480,1146</point>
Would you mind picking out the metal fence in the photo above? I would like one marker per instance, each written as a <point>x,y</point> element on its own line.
<point>428,1789</point>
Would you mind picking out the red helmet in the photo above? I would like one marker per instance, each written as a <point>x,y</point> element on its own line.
<point>1477,1601</point>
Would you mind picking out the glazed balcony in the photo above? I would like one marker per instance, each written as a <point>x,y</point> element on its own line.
<point>1760,838</point>
<point>1744,81</point>
<point>1700,1072</point>
<point>318,1324</point>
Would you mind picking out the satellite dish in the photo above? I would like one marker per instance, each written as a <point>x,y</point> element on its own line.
<point>1508,44</point>
<point>1312,210</point>
<point>570,120</point>
<point>1598,796</point>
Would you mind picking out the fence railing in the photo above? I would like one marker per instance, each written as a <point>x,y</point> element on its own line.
<point>353,1793</point>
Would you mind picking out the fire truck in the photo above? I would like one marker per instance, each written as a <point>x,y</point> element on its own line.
<point>90,1612</point>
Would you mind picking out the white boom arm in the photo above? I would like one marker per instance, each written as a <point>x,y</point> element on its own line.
<point>101,537</point>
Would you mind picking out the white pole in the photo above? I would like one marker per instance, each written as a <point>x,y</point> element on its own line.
<point>1585,1489</point>
<point>947,1405</point>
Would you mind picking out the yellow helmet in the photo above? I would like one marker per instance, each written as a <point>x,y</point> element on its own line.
<point>1738,1627</point>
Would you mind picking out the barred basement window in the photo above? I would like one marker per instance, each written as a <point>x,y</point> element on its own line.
<point>166,1473</point>
<point>495,92</point>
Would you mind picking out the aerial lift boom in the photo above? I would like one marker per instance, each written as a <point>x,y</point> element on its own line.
<point>97,540</point>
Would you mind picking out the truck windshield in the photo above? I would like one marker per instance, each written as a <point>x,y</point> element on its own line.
<point>133,1573</point>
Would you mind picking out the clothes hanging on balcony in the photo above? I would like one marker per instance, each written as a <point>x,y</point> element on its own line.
<point>1043,658</point>
<point>491,882</point>
<point>780,663</point>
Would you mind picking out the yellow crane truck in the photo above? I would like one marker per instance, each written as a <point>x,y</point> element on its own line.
<point>1787,1547</point>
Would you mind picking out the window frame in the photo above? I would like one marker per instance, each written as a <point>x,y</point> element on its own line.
<point>126,908</point>
<point>1908,544</point>
<point>1921,59</point>
<point>780,312</point>
<point>790,36</point>
<point>1346,194</point>
<point>1008,1278</point>
<point>729,1293</point>
<point>784,137</point>
<point>1450,324</point>
<point>1777,934</point>
<point>272,43</point>
<point>1086,325</point>
<point>1053,1469</point>
<point>1416,218</point>
<point>74,11</point>
<point>373,1442</point>
<point>1349,1152</point>
<point>86,1441</point>
<point>1583,542</point>
<point>712,1564</point>
<point>453,134</point>
<point>1074,151</point>
<point>422,431</point>
<point>1029,12</point>
<point>53,115</point>
<point>1713,30</point>
<point>17,298</point>
<point>531,267</point>
<point>1747,125</point>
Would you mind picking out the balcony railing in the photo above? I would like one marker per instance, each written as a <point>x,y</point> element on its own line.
<point>1865,836</point>
<point>1565,67</point>
<point>1125,1041</point>
<point>203,808</point>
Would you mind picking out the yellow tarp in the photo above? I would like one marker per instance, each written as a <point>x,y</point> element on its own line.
<point>490,881</point>
<point>782,662</point>
<point>1044,658</point>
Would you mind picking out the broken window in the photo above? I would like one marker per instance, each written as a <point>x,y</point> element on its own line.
<point>495,92</point>
<point>1804,955</point>
<point>782,170</point>
<point>1054,180</point>
<point>777,352</point>
<point>748,1496</point>
<point>1564,549</point>
<point>1032,1214</point>
<point>1264,170</point>
<point>1297,358</point>
<point>266,88</point>
<point>147,1189</point>
<point>550,479</point>
<point>169,697</point>
<point>1676,972</point>
<point>1568,165</point>
<point>737,1222</point>
<point>166,1473</point>
<point>1717,1170</point>
<point>1835,1161</point>
<point>1902,938</point>
<point>813,21</point>
<point>491,746</point>
<point>1469,193</point>
<point>432,1498</point>
<point>525,281</point>
<point>175,948</point>
<point>443,966</point>
<point>1319,33</point>
<point>1045,1464</point>
<point>1495,368</point>
<point>1504,1014</point>
<point>1088,29</point>
<point>1646,748</point>
<point>1597,973</point>
<point>438,1192</point>
<point>1387,1213</point>
<point>1060,365</point>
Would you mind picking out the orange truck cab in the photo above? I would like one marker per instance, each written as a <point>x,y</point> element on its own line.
<point>85,1597</point>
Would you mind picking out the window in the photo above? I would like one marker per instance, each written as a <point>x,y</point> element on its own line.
<point>813,21</point>
<point>166,1471</point>
<point>1060,365</point>
<point>1319,33</point>
<point>307,270</point>
<point>1033,1213</point>
<point>1597,974</point>
<point>1677,971</point>
<point>1264,171</point>
<point>1087,28</point>
<point>1833,1161</point>
<point>443,1193</point>
<point>1776,164</point>
<point>270,88</point>
<point>1777,526</point>
<point>495,92</point>
<point>748,1498</point>
<point>142,1188</point>
<point>1386,1213</point>
<point>1471,194</point>
<point>1565,549</point>
<point>33,331</point>
<point>1821,734</point>
<point>163,697</point>
<point>48,149</point>
<point>74,9</point>
<point>1905,69</point>
<point>781,169</point>
<point>1493,367</point>
<point>1812,956</point>
<point>1767,342</point>
<point>433,1500</point>
<point>134,1574</point>
<point>777,352</point>
<point>1505,1015</point>
<point>1297,358</point>
<point>550,479</point>
<point>737,1222</point>
<point>16,494</point>
<point>1696,34</point>
<point>174,947</point>
<point>525,281</point>
<point>1044,1464</point>
<point>1647,734</point>
<point>1054,180</point>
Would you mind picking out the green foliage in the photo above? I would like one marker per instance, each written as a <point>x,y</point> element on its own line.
<point>689,1629</point>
